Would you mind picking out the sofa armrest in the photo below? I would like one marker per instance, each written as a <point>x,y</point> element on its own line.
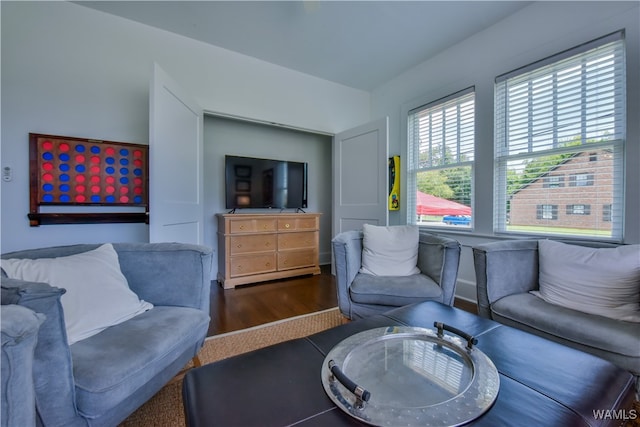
<point>504,268</point>
<point>19,327</point>
<point>52,366</point>
<point>173,274</point>
<point>439,258</point>
<point>347,255</point>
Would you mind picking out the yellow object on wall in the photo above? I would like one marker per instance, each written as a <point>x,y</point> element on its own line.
<point>394,183</point>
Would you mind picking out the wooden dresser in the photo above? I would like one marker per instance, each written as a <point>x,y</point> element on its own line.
<point>258,247</point>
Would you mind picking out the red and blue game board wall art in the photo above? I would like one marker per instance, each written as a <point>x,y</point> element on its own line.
<point>86,172</point>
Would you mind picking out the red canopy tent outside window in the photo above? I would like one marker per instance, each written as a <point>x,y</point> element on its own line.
<point>426,204</point>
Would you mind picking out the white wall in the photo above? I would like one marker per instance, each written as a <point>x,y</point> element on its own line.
<point>538,31</point>
<point>74,71</point>
<point>224,136</point>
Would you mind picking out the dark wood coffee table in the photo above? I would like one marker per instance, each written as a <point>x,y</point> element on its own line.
<point>542,383</point>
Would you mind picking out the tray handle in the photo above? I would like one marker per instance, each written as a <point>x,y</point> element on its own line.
<point>471,340</point>
<point>362,395</point>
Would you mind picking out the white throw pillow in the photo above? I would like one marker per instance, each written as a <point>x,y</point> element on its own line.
<point>390,251</point>
<point>98,294</point>
<point>602,281</point>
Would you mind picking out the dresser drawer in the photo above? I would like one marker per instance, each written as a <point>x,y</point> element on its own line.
<point>304,239</point>
<point>294,224</point>
<point>297,259</point>
<point>252,243</point>
<point>244,265</point>
<point>238,226</point>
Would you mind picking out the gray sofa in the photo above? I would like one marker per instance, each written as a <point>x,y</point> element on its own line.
<point>505,273</point>
<point>361,295</point>
<point>102,379</point>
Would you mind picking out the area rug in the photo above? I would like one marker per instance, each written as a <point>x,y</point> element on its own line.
<point>165,408</point>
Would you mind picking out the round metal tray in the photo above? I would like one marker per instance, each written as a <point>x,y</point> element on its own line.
<point>406,376</point>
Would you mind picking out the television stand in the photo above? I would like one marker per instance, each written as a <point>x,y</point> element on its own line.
<point>259,247</point>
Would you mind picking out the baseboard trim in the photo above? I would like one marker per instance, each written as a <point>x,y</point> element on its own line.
<point>325,258</point>
<point>466,290</point>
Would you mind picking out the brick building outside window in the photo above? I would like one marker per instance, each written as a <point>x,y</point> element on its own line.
<point>575,194</point>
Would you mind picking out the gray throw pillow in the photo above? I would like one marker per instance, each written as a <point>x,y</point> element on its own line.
<point>602,281</point>
<point>390,251</point>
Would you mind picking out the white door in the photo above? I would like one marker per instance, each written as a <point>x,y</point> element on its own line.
<point>175,163</point>
<point>361,176</point>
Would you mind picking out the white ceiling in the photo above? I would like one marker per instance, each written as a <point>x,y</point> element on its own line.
<point>360,44</point>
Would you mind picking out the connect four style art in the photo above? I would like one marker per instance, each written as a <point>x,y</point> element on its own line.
<point>74,171</point>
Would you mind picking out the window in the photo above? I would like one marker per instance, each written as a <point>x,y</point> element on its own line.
<point>554,181</point>
<point>547,211</point>
<point>578,210</point>
<point>440,162</point>
<point>581,179</point>
<point>562,118</point>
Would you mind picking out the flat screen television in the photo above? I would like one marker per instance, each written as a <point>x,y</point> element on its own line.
<point>264,183</point>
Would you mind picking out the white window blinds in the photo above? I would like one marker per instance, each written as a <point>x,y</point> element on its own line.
<point>441,137</point>
<point>559,143</point>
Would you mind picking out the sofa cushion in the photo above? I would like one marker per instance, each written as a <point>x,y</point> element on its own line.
<point>112,365</point>
<point>394,291</point>
<point>98,295</point>
<point>602,281</point>
<point>597,332</point>
<point>390,251</point>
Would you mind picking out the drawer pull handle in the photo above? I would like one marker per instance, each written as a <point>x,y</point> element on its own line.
<point>287,225</point>
<point>242,227</point>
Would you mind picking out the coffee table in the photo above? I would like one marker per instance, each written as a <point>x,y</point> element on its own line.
<point>542,383</point>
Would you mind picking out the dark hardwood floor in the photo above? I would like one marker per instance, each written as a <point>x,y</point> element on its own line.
<point>251,305</point>
<point>465,305</point>
<point>256,304</point>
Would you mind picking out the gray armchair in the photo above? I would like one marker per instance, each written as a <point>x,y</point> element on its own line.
<point>362,295</point>
<point>100,380</point>
<point>507,271</point>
